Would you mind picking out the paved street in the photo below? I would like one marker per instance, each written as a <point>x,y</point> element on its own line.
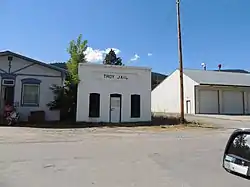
<point>221,121</point>
<point>112,157</point>
<point>225,121</point>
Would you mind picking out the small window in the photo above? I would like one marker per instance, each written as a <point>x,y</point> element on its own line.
<point>94,105</point>
<point>135,106</point>
<point>8,82</point>
<point>30,94</point>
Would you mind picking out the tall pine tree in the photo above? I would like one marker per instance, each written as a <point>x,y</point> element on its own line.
<point>112,59</point>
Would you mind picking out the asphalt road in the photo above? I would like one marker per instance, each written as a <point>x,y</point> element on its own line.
<point>223,121</point>
<point>114,158</point>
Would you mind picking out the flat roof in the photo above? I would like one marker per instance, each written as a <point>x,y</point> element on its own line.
<point>115,66</point>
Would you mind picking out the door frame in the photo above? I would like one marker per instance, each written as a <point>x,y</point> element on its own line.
<point>119,96</point>
<point>2,96</point>
<point>188,103</point>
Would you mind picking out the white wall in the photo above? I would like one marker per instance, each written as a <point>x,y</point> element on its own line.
<point>46,75</point>
<point>165,98</point>
<point>46,96</point>
<point>93,81</point>
<point>18,64</point>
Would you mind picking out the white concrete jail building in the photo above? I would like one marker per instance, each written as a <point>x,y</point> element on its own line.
<point>113,94</point>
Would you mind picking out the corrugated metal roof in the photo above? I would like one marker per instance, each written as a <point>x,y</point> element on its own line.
<point>218,77</point>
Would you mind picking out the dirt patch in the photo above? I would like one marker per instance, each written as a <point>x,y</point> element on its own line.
<point>179,127</point>
<point>158,122</point>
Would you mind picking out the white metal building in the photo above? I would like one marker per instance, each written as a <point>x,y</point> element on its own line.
<point>113,94</point>
<point>205,92</point>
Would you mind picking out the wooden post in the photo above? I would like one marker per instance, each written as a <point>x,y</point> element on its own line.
<point>180,62</point>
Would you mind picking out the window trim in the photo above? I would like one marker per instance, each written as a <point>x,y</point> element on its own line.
<point>8,84</point>
<point>131,114</point>
<point>99,108</point>
<point>33,82</point>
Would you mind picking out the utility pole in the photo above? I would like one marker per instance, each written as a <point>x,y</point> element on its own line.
<point>180,61</point>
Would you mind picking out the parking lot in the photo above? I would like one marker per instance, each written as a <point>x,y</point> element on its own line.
<point>112,157</point>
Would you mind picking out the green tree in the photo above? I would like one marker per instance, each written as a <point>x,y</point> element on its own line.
<point>65,97</point>
<point>112,59</point>
<point>76,51</point>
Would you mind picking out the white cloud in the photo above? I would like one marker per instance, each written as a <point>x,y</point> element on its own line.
<point>97,55</point>
<point>136,57</point>
<point>94,55</point>
<point>150,54</point>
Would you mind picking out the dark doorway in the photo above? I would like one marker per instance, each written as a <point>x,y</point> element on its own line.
<point>9,94</point>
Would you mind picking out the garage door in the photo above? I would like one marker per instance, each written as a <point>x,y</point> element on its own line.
<point>232,102</point>
<point>208,102</point>
<point>248,103</point>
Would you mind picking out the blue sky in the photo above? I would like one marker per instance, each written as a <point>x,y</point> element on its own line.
<point>214,31</point>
